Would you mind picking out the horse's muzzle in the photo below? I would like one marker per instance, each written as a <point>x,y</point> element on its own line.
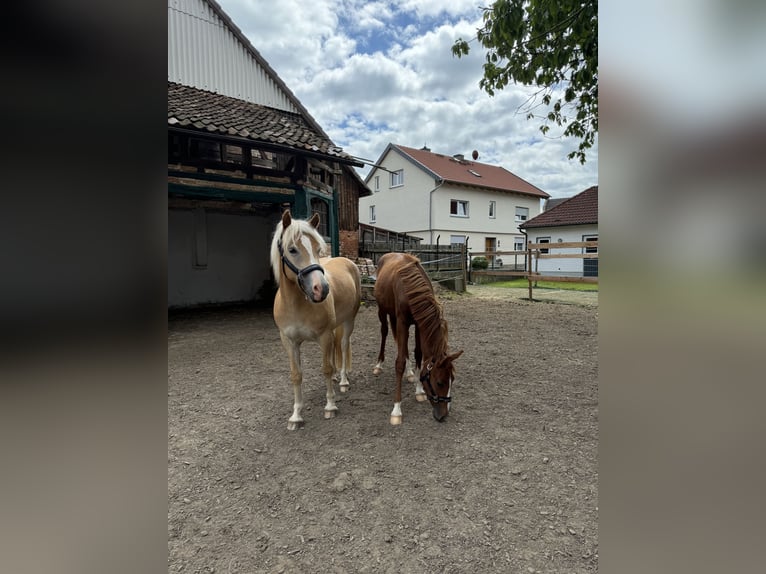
<point>314,284</point>
<point>440,412</point>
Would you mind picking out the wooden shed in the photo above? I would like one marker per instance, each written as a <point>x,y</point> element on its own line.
<point>241,149</point>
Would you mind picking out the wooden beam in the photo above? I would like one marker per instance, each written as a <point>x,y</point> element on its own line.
<point>565,279</point>
<point>567,256</point>
<point>562,245</point>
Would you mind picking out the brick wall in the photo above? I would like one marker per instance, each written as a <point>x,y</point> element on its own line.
<point>349,244</point>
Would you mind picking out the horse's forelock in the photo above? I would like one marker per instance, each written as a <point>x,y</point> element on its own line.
<point>299,228</point>
<point>289,235</point>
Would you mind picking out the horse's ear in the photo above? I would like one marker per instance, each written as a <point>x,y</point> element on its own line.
<point>314,221</point>
<point>454,356</point>
<point>286,219</point>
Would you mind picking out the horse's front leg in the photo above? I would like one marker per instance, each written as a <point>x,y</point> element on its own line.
<point>420,394</point>
<point>401,361</point>
<point>383,318</point>
<point>327,342</point>
<point>293,349</point>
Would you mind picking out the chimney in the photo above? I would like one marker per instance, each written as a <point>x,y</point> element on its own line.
<point>459,157</point>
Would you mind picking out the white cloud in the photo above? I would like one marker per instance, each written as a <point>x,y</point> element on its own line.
<point>407,88</point>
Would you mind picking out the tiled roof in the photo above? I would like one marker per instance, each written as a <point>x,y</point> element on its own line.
<point>209,112</point>
<point>469,172</point>
<point>579,209</point>
<point>553,202</point>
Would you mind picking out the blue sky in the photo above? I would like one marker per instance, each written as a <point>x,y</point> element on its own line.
<point>377,72</point>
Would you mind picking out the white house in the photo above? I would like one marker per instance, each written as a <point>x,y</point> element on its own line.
<point>572,220</point>
<point>449,198</point>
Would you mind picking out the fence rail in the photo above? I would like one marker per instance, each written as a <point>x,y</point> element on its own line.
<point>453,265</point>
<point>444,263</point>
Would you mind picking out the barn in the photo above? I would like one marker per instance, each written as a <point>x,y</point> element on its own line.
<point>241,149</point>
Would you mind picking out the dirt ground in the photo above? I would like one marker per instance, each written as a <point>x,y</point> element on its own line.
<point>509,483</point>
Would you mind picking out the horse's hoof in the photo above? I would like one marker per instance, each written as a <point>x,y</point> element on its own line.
<point>344,388</point>
<point>376,371</point>
<point>420,397</point>
<point>295,425</point>
<point>330,414</point>
<point>411,378</point>
<point>396,420</point>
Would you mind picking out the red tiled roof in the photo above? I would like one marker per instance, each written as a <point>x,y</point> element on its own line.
<point>579,209</point>
<point>469,172</point>
<point>204,111</point>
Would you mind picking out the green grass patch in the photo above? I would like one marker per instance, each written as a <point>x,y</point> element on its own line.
<point>568,285</point>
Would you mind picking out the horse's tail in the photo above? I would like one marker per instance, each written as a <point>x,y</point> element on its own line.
<point>339,332</point>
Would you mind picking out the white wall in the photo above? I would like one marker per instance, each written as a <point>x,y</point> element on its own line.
<point>479,225</point>
<point>236,250</point>
<point>566,267</point>
<point>403,208</point>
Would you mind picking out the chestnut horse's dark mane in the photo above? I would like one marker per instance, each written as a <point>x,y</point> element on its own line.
<point>425,309</point>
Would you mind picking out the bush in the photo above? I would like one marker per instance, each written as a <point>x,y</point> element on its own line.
<point>479,263</point>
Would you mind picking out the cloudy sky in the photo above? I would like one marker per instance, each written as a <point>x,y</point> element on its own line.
<point>377,72</point>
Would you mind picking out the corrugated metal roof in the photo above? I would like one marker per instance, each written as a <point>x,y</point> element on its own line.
<point>579,209</point>
<point>207,50</point>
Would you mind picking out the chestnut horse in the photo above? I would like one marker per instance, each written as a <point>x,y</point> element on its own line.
<point>317,300</point>
<point>405,297</point>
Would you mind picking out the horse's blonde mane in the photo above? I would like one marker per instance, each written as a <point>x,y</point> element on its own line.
<point>293,233</point>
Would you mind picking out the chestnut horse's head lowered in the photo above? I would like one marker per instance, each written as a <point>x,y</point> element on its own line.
<point>295,252</point>
<point>405,296</point>
<point>437,375</point>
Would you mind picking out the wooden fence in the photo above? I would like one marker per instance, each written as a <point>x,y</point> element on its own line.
<point>445,264</point>
<point>378,238</point>
<point>452,265</point>
<point>500,264</point>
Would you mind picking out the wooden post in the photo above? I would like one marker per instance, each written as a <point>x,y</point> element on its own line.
<point>463,265</point>
<point>529,271</point>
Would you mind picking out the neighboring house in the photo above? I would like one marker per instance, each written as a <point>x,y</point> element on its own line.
<point>573,220</point>
<point>241,148</point>
<point>449,199</point>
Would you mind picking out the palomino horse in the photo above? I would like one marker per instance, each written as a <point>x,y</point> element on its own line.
<point>317,300</point>
<point>405,297</point>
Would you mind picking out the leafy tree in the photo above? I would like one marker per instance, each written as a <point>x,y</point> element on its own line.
<point>548,43</point>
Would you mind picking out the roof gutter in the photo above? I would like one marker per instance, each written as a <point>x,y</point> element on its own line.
<point>430,209</point>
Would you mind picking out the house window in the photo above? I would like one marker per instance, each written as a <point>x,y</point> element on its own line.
<point>397,178</point>
<point>522,213</point>
<point>458,208</point>
<point>377,183</point>
<point>319,206</point>
<point>492,208</point>
<point>456,239</point>
<point>590,266</point>
<point>543,240</point>
<point>372,214</point>
<point>518,244</point>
